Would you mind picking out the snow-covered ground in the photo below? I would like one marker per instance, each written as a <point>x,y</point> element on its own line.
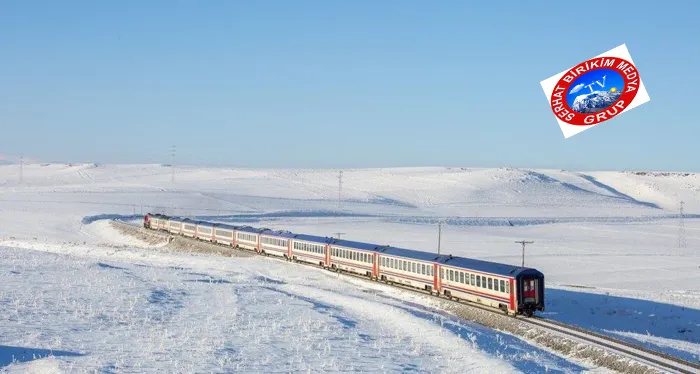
<point>606,241</point>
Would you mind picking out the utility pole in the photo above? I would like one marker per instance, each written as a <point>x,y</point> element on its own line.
<point>681,229</point>
<point>21,167</point>
<point>439,235</point>
<point>339,233</point>
<point>523,243</point>
<point>340,188</point>
<point>172,165</point>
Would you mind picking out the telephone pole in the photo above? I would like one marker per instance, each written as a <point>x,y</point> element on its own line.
<point>172,165</point>
<point>439,235</point>
<point>340,188</point>
<point>523,243</point>
<point>21,167</point>
<point>339,233</point>
<point>681,229</point>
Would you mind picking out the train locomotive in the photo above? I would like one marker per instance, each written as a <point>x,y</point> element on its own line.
<point>513,289</point>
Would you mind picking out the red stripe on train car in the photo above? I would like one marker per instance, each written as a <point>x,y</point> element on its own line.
<point>512,295</point>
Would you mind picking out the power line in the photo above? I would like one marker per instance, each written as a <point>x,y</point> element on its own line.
<point>681,229</point>
<point>523,243</point>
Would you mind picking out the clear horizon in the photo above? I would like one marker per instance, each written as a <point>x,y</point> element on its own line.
<point>318,85</point>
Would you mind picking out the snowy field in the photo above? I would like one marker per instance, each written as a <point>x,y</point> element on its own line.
<point>99,301</point>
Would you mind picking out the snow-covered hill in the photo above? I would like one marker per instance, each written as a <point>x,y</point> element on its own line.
<point>606,241</point>
<point>442,191</point>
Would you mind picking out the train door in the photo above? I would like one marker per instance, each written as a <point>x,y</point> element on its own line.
<point>437,281</point>
<point>530,291</point>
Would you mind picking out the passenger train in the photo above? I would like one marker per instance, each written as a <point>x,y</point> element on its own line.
<point>513,289</point>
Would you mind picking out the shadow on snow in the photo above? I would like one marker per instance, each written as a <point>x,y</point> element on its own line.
<point>320,307</point>
<point>609,314</point>
<point>10,355</point>
<point>415,220</point>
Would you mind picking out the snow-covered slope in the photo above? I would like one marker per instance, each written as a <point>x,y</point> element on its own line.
<point>613,235</point>
<point>444,191</point>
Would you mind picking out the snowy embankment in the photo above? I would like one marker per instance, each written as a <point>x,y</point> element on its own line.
<point>141,310</point>
<point>613,232</point>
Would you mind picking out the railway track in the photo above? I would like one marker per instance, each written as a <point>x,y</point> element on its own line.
<point>654,359</point>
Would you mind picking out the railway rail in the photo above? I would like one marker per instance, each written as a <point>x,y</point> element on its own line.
<point>655,359</point>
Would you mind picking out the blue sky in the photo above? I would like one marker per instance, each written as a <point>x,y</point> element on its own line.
<point>336,84</point>
<point>595,80</point>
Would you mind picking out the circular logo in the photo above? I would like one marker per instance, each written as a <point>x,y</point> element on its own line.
<point>595,91</point>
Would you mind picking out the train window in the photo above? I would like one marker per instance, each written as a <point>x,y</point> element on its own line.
<point>472,276</point>
<point>503,285</point>
<point>422,269</point>
<point>461,277</point>
<point>507,287</point>
<point>413,266</point>
<point>450,275</point>
<point>490,283</point>
<point>478,280</point>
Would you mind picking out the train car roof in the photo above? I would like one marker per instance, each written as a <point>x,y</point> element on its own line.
<point>252,229</point>
<point>177,219</point>
<point>279,233</point>
<point>486,266</point>
<point>410,253</point>
<point>313,238</point>
<point>357,245</point>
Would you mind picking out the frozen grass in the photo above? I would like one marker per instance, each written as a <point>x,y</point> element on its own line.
<point>607,242</point>
<point>107,312</point>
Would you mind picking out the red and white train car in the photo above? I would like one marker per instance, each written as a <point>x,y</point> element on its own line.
<point>513,289</point>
